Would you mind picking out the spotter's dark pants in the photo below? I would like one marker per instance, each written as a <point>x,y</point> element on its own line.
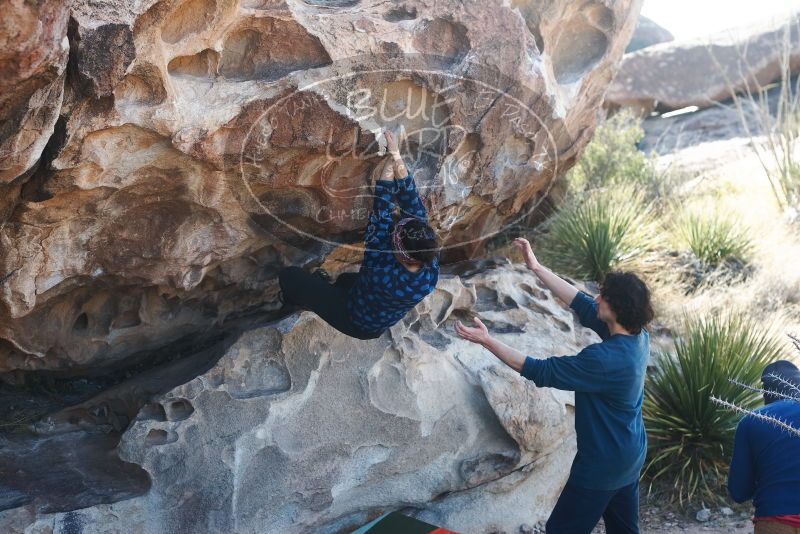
<point>329,301</point>
<point>579,509</point>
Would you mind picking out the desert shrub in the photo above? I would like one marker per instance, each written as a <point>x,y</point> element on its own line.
<point>690,436</point>
<point>713,237</point>
<point>601,232</point>
<point>612,159</point>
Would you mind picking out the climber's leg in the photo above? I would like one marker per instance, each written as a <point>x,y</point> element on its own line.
<point>346,280</point>
<point>296,285</point>
<point>329,301</point>
<point>578,510</point>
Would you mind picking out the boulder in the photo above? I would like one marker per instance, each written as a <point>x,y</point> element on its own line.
<point>33,61</point>
<point>669,135</point>
<point>648,33</point>
<point>298,429</point>
<point>201,145</point>
<point>701,72</point>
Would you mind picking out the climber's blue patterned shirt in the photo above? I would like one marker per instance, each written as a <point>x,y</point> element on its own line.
<point>386,290</point>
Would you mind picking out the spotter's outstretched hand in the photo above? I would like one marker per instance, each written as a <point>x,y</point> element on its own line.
<point>524,246</point>
<point>476,334</point>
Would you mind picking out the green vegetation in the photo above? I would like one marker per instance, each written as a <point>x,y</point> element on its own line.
<point>690,436</point>
<point>603,231</point>
<point>606,221</point>
<point>612,159</point>
<point>609,218</point>
<point>713,237</point>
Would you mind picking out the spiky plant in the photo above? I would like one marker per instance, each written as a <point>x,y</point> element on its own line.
<point>691,436</point>
<point>604,231</point>
<point>713,237</point>
<point>789,391</point>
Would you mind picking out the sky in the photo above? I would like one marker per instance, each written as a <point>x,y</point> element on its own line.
<point>696,18</point>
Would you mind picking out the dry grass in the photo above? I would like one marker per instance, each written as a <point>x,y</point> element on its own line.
<point>736,183</point>
<point>724,177</point>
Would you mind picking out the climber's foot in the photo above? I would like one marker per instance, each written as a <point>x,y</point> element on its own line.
<point>322,273</point>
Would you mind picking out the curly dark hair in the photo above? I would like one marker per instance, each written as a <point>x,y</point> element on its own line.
<point>420,241</point>
<point>629,298</point>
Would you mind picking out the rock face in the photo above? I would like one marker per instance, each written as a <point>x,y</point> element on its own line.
<point>33,60</point>
<point>648,33</point>
<point>699,73</point>
<point>298,429</point>
<point>201,145</point>
<point>160,161</point>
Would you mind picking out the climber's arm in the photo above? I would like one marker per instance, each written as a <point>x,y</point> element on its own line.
<point>407,195</point>
<point>408,199</point>
<point>400,170</point>
<point>377,235</point>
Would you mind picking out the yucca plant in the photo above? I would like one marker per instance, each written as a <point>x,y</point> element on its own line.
<point>713,237</point>
<point>691,436</point>
<point>785,390</point>
<point>604,231</point>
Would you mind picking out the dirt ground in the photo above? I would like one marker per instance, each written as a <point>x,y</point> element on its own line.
<point>670,519</point>
<point>654,519</point>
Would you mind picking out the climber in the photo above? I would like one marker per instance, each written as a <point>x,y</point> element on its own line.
<point>608,381</point>
<point>765,465</point>
<point>400,265</point>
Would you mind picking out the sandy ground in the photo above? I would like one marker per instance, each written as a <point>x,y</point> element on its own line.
<point>654,519</point>
<point>727,174</point>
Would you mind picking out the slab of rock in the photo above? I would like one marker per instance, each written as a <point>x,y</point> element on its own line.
<point>700,72</point>
<point>204,144</point>
<point>298,429</point>
<point>668,135</point>
<point>648,33</point>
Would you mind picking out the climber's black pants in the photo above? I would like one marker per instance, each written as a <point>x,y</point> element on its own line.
<point>329,301</point>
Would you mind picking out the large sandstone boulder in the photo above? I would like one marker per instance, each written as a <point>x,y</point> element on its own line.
<point>298,429</point>
<point>203,144</point>
<point>701,72</point>
<point>33,61</point>
<point>648,33</point>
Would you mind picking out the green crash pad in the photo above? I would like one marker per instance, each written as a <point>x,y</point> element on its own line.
<point>396,523</point>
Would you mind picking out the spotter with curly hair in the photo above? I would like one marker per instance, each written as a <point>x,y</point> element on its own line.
<point>608,381</point>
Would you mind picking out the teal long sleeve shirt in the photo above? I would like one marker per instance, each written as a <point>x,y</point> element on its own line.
<point>608,381</point>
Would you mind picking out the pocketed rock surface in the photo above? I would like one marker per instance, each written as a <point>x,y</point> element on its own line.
<point>160,161</point>
<point>298,429</point>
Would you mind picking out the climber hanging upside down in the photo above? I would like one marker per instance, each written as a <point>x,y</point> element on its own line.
<point>400,265</point>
